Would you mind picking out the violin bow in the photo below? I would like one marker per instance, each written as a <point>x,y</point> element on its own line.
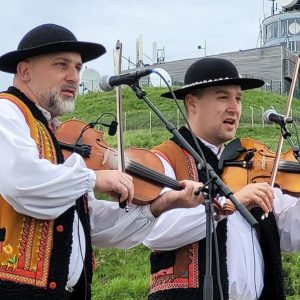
<point>287,111</point>
<point>120,150</point>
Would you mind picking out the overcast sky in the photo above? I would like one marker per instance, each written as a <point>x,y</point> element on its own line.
<point>178,26</point>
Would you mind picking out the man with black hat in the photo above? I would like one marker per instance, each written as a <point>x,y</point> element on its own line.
<point>48,214</point>
<point>249,261</point>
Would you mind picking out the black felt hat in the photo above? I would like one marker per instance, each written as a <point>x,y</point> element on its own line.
<point>48,38</point>
<point>212,71</point>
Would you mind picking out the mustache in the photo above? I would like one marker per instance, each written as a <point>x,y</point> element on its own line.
<point>69,86</point>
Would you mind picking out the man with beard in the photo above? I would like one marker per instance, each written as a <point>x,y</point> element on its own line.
<point>49,216</point>
<point>249,260</point>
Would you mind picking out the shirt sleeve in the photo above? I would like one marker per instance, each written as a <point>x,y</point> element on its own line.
<point>34,186</point>
<point>170,230</point>
<point>111,226</point>
<point>287,214</point>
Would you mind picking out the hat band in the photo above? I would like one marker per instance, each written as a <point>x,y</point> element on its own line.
<point>208,81</point>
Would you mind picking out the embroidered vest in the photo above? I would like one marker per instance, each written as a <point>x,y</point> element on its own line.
<point>35,254</point>
<point>179,274</point>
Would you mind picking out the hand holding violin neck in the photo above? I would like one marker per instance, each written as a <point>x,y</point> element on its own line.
<point>184,198</point>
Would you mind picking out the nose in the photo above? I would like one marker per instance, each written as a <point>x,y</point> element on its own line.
<point>235,105</point>
<point>73,75</point>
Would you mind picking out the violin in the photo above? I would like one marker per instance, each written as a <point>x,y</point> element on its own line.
<point>249,161</point>
<point>143,165</point>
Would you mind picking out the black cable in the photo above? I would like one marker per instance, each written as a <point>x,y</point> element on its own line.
<point>93,124</point>
<point>297,134</point>
<point>81,254</point>
<point>254,257</point>
<point>217,258</point>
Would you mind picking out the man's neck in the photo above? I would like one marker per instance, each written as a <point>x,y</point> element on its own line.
<point>25,89</point>
<point>216,149</point>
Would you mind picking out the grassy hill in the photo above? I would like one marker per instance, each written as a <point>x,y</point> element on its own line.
<point>125,274</point>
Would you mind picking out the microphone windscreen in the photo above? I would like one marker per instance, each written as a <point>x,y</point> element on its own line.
<point>104,85</point>
<point>266,115</point>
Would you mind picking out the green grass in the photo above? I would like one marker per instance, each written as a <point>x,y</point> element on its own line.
<point>125,274</point>
<point>121,274</point>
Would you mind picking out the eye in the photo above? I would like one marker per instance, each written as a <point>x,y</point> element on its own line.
<point>222,97</point>
<point>61,64</point>
<point>78,68</point>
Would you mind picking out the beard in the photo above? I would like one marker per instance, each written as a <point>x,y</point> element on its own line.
<point>55,104</point>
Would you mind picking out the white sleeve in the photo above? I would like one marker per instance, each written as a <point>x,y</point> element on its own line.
<point>177,227</point>
<point>35,186</point>
<point>287,214</point>
<point>111,226</point>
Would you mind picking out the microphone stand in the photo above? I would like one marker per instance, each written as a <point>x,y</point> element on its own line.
<point>287,136</point>
<point>214,179</point>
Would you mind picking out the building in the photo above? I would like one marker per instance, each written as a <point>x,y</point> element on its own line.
<point>274,61</point>
<point>273,64</point>
<point>283,28</point>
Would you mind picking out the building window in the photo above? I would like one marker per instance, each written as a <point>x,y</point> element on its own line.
<point>294,26</point>
<point>298,46</point>
<point>283,26</point>
<point>292,46</point>
<point>271,31</point>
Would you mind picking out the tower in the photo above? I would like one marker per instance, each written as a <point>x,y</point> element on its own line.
<point>283,27</point>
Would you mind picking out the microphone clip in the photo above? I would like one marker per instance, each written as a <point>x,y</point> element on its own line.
<point>113,126</point>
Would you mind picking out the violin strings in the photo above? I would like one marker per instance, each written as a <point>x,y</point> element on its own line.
<point>289,166</point>
<point>152,175</point>
<point>141,170</point>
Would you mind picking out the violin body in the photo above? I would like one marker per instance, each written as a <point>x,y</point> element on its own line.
<point>254,163</point>
<point>143,165</point>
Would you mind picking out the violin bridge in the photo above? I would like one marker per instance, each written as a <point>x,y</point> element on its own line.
<point>263,162</point>
<point>105,157</point>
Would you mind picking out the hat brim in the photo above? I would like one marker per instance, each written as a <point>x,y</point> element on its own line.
<point>88,51</point>
<point>244,83</point>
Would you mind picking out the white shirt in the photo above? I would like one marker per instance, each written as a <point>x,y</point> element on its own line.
<point>40,189</point>
<point>179,227</point>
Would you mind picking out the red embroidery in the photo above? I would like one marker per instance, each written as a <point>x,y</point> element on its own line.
<point>24,270</point>
<point>185,272</point>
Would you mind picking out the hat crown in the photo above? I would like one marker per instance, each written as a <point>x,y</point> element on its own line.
<point>46,34</point>
<point>49,38</point>
<point>210,69</point>
<point>213,71</point>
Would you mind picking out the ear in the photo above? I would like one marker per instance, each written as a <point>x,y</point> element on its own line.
<point>190,103</point>
<point>23,70</point>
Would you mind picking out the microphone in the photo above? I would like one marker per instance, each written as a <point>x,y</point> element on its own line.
<point>107,83</point>
<point>113,128</point>
<point>271,116</point>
